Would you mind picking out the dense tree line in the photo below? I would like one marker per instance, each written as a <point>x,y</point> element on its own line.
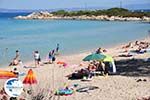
<point>110,12</point>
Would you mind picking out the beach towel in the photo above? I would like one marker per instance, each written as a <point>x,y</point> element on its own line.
<point>125,55</point>
<point>64,92</point>
<point>22,74</point>
<point>87,88</point>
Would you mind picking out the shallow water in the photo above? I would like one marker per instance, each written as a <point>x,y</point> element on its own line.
<point>74,36</point>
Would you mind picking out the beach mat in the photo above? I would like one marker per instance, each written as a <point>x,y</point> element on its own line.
<point>87,88</point>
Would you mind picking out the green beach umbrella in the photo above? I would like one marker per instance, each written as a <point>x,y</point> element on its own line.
<point>94,56</point>
<point>108,58</point>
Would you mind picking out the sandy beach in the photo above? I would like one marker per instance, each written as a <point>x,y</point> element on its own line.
<point>131,82</point>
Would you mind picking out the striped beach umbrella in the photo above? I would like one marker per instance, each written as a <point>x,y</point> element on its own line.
<point>30,78</point>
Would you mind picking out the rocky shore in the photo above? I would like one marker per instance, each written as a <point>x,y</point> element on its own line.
<point>48,15</point>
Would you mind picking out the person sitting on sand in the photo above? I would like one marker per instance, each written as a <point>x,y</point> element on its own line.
<point>87,72</point>
<point>91,68</point>
<point>96,63</point>
<point>14,62</point>
<point>15,71</point>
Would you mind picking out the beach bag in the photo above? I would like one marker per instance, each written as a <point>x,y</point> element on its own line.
<point>53,58</point>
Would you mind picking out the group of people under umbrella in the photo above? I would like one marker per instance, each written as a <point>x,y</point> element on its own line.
<point>100,63</point>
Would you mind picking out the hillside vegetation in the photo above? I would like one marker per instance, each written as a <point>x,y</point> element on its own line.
<point>121,12</point>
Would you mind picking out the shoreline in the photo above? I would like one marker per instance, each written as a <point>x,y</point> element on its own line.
<point>85,52</point>
<point>110,48</point>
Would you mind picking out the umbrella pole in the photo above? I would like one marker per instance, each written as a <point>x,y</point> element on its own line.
<point>53,79</point>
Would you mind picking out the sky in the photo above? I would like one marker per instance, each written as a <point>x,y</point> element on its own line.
<point>54,4</point>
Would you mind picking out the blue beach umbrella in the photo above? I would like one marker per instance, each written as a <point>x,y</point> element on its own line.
<point>94,56</point>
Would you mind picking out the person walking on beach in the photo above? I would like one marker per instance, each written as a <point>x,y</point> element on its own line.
<point>37,58</point>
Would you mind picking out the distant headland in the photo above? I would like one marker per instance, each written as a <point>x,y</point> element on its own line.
<point>113,14</point>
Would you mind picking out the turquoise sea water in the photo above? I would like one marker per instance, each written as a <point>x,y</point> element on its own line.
<point>73,36</point>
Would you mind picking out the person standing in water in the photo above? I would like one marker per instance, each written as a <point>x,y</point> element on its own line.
<point>53,52</point>
<point>37,58</point>
<point>53,58</point>
<point>50,57</point>
<point>57,49</point>
<point>17,55</point>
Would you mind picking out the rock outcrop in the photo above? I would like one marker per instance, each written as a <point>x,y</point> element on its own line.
<point>47,15</point>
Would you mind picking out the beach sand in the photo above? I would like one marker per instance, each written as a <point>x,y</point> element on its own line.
<point>125,85</point>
